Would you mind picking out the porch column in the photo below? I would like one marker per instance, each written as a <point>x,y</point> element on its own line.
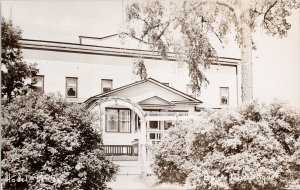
<point>102,120</point>
<point>142,149</point>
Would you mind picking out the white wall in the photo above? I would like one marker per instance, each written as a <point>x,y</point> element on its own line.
<point>90,69</point>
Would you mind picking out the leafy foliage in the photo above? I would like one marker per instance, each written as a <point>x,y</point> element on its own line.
<point>185,27</point>
<point>256,147</point>
<point>140,68</point>
<point>51,144</point>
<point>180,32</point>
<point>14,70</point>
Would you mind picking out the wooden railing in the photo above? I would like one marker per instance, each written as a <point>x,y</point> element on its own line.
<point>167,113</point>
<point>118,150</point>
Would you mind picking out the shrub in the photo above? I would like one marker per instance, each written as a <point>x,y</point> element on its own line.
<point>48,143</point>
<point>254,147</point>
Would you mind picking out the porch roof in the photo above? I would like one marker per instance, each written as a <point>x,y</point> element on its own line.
<point>188,99</point>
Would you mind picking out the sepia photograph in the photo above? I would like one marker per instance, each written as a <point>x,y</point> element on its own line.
<point>150,94</point>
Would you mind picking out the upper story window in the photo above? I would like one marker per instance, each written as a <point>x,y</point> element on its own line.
<point>39,79</point>
<point>106,85</point>
<point>224,95</point>
<point>71,87</point>
<point>189,90</point>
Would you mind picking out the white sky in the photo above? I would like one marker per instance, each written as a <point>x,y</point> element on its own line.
<point>276,63</point>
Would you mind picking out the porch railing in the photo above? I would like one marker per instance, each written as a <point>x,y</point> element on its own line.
<point>167,114</point>
<point>118,150</point>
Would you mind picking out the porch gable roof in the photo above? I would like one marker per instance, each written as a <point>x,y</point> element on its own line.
<point>154,101</point>
<point>189,99</point>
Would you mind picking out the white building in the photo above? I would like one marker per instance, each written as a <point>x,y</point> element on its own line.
<point>98,71</point>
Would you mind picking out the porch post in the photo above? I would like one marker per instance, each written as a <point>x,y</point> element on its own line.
<point>102,120</point>
<point>142,149</point>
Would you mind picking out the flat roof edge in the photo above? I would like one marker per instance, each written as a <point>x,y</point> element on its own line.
<point>93,49</point>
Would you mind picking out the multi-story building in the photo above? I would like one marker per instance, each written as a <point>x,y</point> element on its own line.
<point>99,71</point>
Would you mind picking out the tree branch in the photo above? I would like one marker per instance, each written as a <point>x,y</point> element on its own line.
<point>268,10</point>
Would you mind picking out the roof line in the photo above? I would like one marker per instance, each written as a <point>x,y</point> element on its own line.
<point>109,47</point>
<point>98,38</point>
<point>143,81</point>
<point>115,90</point>
<point>166,101</point>
<point>165,86</point>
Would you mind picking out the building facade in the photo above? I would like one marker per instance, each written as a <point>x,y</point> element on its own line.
<point>132,111</point>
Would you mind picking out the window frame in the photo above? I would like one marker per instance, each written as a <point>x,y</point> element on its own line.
<point>102,80</point>
<point>224,87</point>
<point>43,84</point>
<point>76,92</point>
<point>118,126</point>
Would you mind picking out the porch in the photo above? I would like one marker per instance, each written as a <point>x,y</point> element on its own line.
<point>137,115</point>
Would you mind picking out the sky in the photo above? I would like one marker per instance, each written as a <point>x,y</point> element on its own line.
<point>276,62</point>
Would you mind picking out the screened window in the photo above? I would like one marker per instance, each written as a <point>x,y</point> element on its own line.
<point>189,90</point>
<point>39,79</point>
<point>224,95</point>
<point>71,87</point>
<point>118,120</point>
<point>106,85</point>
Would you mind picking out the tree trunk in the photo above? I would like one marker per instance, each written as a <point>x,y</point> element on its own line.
<point>246,57</point>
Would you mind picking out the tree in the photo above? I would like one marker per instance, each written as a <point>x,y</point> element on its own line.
<point>184,27</point>
<point>254,147</point>
<point>14,71</point>
<point>48,143</point>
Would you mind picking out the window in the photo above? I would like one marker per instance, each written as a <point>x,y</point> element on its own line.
<point>168,125</point>
<point>118,120</point>
<point>112,120</point>
<point>224,95</point>
<point>153,124</point>
<point>39,79</point>
<point>106,85</point>
<point>71,87</point>
<point>189,90</point>
<point>124,120</point>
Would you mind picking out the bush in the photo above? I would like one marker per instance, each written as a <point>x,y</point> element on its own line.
<point>255,147</point>
<point>48,143</point>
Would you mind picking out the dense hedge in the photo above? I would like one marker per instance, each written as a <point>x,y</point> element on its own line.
<point>48,143</point>
<point>254,147</point>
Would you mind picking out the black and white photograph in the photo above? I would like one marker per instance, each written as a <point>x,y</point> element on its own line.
<point>150,94</point>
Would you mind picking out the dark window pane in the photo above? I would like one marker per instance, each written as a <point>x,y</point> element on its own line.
<point>153,124</point>
<point>151,135</point>
<point>168,125</point>
<point>71,87</point>
<point>106,85</point>
<point>224,95</point>
<point>106,90</point>
<point>71,92</point>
